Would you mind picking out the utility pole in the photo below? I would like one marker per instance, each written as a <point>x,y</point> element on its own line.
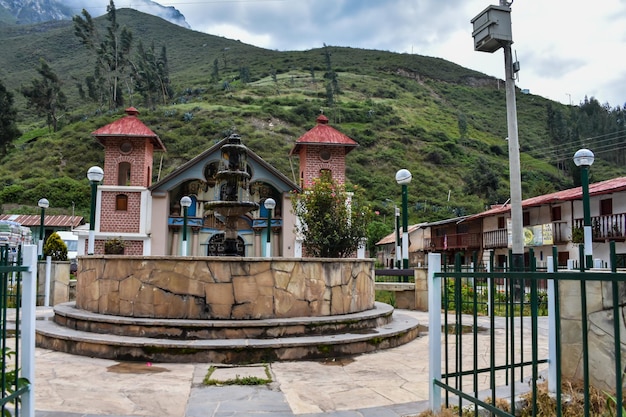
<point>492,31</point>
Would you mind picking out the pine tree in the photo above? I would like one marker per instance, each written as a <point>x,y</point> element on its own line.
<point>45,95</point>
<point>8,116</point>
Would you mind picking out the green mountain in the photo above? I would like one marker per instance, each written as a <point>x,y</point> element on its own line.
<point>443,122</point>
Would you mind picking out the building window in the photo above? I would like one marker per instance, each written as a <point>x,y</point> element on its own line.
<point>606,207</point>
<point>326,174</point>
<point>121,202</point>
<point>501,224</point>
<point>556,213</point>
<point>526,218</point>
<point>123,173</point>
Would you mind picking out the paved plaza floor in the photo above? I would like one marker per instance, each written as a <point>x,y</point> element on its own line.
<point>387,383</point>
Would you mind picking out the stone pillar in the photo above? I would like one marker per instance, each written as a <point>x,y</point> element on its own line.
<point>59,282</point>
<point>195,235</point>
<point>257,242</point>
<point>175,248</point>
<point>276,242</point>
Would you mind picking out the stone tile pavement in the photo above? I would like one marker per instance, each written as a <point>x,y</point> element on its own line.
<point>388,383</point>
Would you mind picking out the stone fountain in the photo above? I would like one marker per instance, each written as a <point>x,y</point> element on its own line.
<point>224,309</point>
<point>233,199</point>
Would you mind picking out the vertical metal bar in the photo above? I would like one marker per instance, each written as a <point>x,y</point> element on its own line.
<point>475,338</point>
<point>511,359</point>
<point>445,331</point>
<point>492,339</point>
<point>4,300</point>
<point>534,312</point>
<point>557,331</point>
<point>585,336</point>
<point>458,326</point>
<point>434,330</point>
<point>616,336</point>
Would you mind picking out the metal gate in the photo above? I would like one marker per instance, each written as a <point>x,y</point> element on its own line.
<point>17,317</point>
<point>473,368</point>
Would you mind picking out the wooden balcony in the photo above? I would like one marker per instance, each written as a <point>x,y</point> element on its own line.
<point>458,241</point>
<point>606,228</point>
<point>499,238</point>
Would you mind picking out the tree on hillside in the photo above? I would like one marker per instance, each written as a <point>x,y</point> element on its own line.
<point>8,116</point>
<point>151,75</point>
<point>45,95</point>
<point>332,83</point>
<point>112,56</point>
<point>333,221</point>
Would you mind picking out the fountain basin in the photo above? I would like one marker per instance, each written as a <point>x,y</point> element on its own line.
<point>223,287</point>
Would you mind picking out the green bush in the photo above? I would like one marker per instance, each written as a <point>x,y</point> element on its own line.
<point>55,248</point>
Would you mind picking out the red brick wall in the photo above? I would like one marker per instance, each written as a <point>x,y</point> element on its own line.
<point>133,247</point>
<point>311,164</point>
<point>140,159</point>
<point>112,220</point>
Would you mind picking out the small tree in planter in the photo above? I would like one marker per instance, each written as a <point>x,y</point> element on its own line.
<point>333,221</point>
<point>114,246</point>
<point>55,248</point>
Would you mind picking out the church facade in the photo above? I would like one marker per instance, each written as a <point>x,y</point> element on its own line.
<point>148,218</point>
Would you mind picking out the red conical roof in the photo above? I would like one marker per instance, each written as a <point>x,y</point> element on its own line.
<point>323,134</point>
<point>128,126</point>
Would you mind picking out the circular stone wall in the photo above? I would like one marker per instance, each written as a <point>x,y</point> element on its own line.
<point>223,287</point>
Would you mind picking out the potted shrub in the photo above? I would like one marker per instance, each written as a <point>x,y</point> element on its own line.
<point>114,246</point>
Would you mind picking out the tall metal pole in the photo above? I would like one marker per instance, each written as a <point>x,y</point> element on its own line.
<point>43,204</point>
<point>405,226</point>
<point>92,219</point>
<point>95,174</point>
<point>517,263</point>
<point>584,176</point>
<point>398,260</point>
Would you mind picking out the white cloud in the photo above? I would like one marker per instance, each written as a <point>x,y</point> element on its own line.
<point>567,49</point>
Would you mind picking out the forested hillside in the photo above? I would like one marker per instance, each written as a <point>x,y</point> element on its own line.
<point>443,122</point>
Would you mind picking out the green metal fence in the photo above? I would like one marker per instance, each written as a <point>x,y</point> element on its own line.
<point>477,359</point>
<point>14,385</point>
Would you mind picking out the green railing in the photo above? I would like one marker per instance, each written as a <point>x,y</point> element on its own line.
<point>478,360</point>
<point>15,385</point>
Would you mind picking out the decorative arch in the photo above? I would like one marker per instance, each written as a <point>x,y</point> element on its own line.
<point>216,245</point>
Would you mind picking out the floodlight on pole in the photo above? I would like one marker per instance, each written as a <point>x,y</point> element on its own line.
<point>492,31</point>
<point>185,203</point>
<point>269,205</point>
<point>95,174</point>
<point>43,203</point>
<point>584,158</point>
<point>403,178</point>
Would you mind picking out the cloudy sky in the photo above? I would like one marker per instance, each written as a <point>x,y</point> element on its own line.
<point>567,49</point>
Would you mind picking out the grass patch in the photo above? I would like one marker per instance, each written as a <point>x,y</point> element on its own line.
<point>238,380</point>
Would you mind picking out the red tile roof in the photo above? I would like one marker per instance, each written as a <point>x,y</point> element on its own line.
<point>599,188</point>
<point>30,220</point>
<point>323,134</point>
<point>128,126</point>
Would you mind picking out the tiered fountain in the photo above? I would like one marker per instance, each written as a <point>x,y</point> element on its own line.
<point>224,309</point>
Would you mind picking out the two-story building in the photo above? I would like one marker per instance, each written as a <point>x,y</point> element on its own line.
<point>549,220</point>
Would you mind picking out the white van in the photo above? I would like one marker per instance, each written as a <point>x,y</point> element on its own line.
<point>71,241</point>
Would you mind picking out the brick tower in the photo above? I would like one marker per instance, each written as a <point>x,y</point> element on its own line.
<point>123,197</point>
<point>322,149</point>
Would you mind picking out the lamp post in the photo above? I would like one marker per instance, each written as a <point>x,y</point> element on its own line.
<point>94,175</point>
<point>43,203</point>
<point>269,205</point>
<point>185,203</point>
<point>403,178</point>
<point>398,261</point>
<point>583,158</point>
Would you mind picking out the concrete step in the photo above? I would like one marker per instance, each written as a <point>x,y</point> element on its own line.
<point>67,315</point>
<point>401,329</point>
